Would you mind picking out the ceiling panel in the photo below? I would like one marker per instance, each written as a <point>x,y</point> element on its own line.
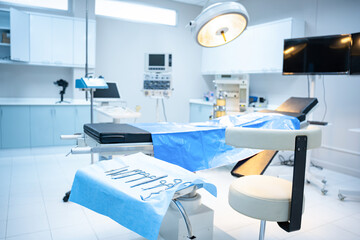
<point>194,2</point>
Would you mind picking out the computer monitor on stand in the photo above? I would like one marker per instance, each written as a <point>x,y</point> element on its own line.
<point>105,96</point>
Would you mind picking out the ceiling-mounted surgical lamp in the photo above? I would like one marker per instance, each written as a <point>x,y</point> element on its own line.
<point>219,23</point>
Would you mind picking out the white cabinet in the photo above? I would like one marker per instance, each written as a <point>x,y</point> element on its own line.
<point>14,35</point>
<point>62,41</point>
<point>80,42</point>
<point>40,39</point>
<point>19,25</point>
<point>51,40</point>
<point>43,39</point>
<point>258,50</point>
<point>4,32</point>
<point>200,111</point>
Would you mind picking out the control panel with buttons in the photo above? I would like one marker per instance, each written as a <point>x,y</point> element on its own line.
<point>157,84</point>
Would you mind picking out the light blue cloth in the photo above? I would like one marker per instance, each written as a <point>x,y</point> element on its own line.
<point>93,189</point>
<point>199,146</point>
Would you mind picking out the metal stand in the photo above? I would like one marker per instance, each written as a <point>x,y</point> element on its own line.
<point>185,217</point>
<point>67,194</point>
<point>312,178</point>
<point>262,230</point>
<point>348,194</point>
<point>201,217</point>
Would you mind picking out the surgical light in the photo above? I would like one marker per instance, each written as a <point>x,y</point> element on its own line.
<point>219,24</point>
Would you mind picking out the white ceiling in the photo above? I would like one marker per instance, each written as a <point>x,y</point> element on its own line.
<point>194,2</point>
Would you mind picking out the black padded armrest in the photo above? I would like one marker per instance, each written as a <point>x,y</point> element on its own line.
<point>298,105</point>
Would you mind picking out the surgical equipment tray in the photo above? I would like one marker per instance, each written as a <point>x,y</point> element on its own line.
<point>116,133</point>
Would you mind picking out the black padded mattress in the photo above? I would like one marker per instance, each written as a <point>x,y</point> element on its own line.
<point>116,133</point>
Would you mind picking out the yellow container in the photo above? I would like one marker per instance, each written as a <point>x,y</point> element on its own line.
<point>219,114</point>
<point>220,102</point>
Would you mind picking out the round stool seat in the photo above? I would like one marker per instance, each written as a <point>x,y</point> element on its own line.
<point>263,197</point>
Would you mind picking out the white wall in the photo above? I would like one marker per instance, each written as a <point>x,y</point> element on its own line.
<point>341,148</point>
<point>19,81</point>
<point>120,58</point>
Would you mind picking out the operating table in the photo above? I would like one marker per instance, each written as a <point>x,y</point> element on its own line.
<point>122,139</point>
<point>109,139</point>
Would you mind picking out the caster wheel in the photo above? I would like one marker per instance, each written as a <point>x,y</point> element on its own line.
<point>324,191</point>
<point>341,197</point>
<point>324,181</point>
<point>66,197</point>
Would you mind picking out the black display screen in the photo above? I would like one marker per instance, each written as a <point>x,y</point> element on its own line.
<point>157,60</point>
<point>317,55</point>
<point>111,92</point>
<point>355,54</point>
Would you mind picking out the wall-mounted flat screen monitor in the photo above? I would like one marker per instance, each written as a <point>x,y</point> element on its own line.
<point>317,55</point>
<point>355,54</point>
<point>111,92</point>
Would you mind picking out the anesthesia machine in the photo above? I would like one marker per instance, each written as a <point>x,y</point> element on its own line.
<point>158,75</point>
<point>232,94</point>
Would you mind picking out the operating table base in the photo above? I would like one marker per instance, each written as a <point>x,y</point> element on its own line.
<point>201,217</point>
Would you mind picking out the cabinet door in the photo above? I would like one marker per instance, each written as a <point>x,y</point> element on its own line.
<point>40,39</point>
<point>41,128</point>
<point>62,41</point>
<point>80,42</point>
<point>200,112</point>
<point>15,127</point>
<point>20,35</point>
<point>82,117</point>
<point>64,124</point>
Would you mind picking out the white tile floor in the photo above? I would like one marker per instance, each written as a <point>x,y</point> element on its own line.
<point>33,182</point>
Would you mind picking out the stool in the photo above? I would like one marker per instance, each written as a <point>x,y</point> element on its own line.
<point>269,198</point>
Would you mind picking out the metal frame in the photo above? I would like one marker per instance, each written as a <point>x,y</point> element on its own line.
<point>297,195</point>
<point>92,146</point>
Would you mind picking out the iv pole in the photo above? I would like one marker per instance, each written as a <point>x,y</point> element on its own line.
<point>86,63</point>
<point>87,70</point>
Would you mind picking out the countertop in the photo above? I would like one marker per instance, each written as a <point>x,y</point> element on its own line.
<point>201,101</point>
<point>41,101</point>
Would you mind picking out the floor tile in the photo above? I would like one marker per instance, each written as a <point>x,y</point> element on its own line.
<point>357,216</point>
<point>2,229</point>
<point>3,212</point>
<point>26,225</point>
<point>351,224</point>
<point>66,219</point>
<point>221,235</point>
<point>104,227</point>
<point>78,232</point>
<point>26,210</point>
<point>332,232</point>
<point>250,232</point>
<point>25,198</point>
<point>44,235</point>
<point>4,200</point>
<point>35,180</point>
<point>59,207</point>
<point>18,189</point>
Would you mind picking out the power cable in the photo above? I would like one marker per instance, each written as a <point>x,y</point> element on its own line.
<point>163,105</point>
